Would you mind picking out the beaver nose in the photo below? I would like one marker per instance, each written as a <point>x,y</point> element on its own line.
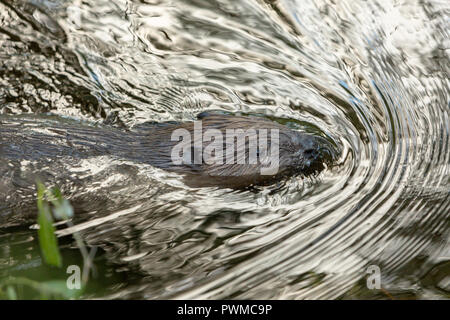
<point>312,153</point>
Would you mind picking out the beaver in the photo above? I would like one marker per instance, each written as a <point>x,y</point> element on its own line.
<point>159,144</point>
<point>294,153</point>
<point>53,150</point>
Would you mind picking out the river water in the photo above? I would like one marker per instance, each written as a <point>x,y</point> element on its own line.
<point>370,75</point>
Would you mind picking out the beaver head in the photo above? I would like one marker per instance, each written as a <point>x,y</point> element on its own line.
<point>237,151</point>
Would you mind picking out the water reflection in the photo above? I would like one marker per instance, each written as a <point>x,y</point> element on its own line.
<point>371,76</point>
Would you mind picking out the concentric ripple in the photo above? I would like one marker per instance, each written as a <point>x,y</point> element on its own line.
<point>370,76</point>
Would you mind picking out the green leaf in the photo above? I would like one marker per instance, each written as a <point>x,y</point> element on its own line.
<point>47,239</point>
<point>59,287</point>
<point>11,293</point>
<point>63,210</point>
<point>47,289</point>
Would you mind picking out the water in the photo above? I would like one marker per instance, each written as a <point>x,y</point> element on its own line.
<point>371,76</point>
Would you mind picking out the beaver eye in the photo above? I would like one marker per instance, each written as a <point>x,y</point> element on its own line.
<point>311,152</point>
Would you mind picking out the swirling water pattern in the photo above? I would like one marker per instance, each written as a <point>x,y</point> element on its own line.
<point>371,76</point>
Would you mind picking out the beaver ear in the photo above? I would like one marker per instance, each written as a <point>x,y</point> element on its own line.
<point>210,113</point>
<point>203,115</point>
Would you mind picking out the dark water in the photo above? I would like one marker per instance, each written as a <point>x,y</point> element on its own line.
<point>372,76</point>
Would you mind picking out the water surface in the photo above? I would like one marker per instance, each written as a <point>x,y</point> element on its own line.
<point>372,76</point>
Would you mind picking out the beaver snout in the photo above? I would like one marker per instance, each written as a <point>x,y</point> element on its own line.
<point>316,151</point>
<point>312,153</point>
